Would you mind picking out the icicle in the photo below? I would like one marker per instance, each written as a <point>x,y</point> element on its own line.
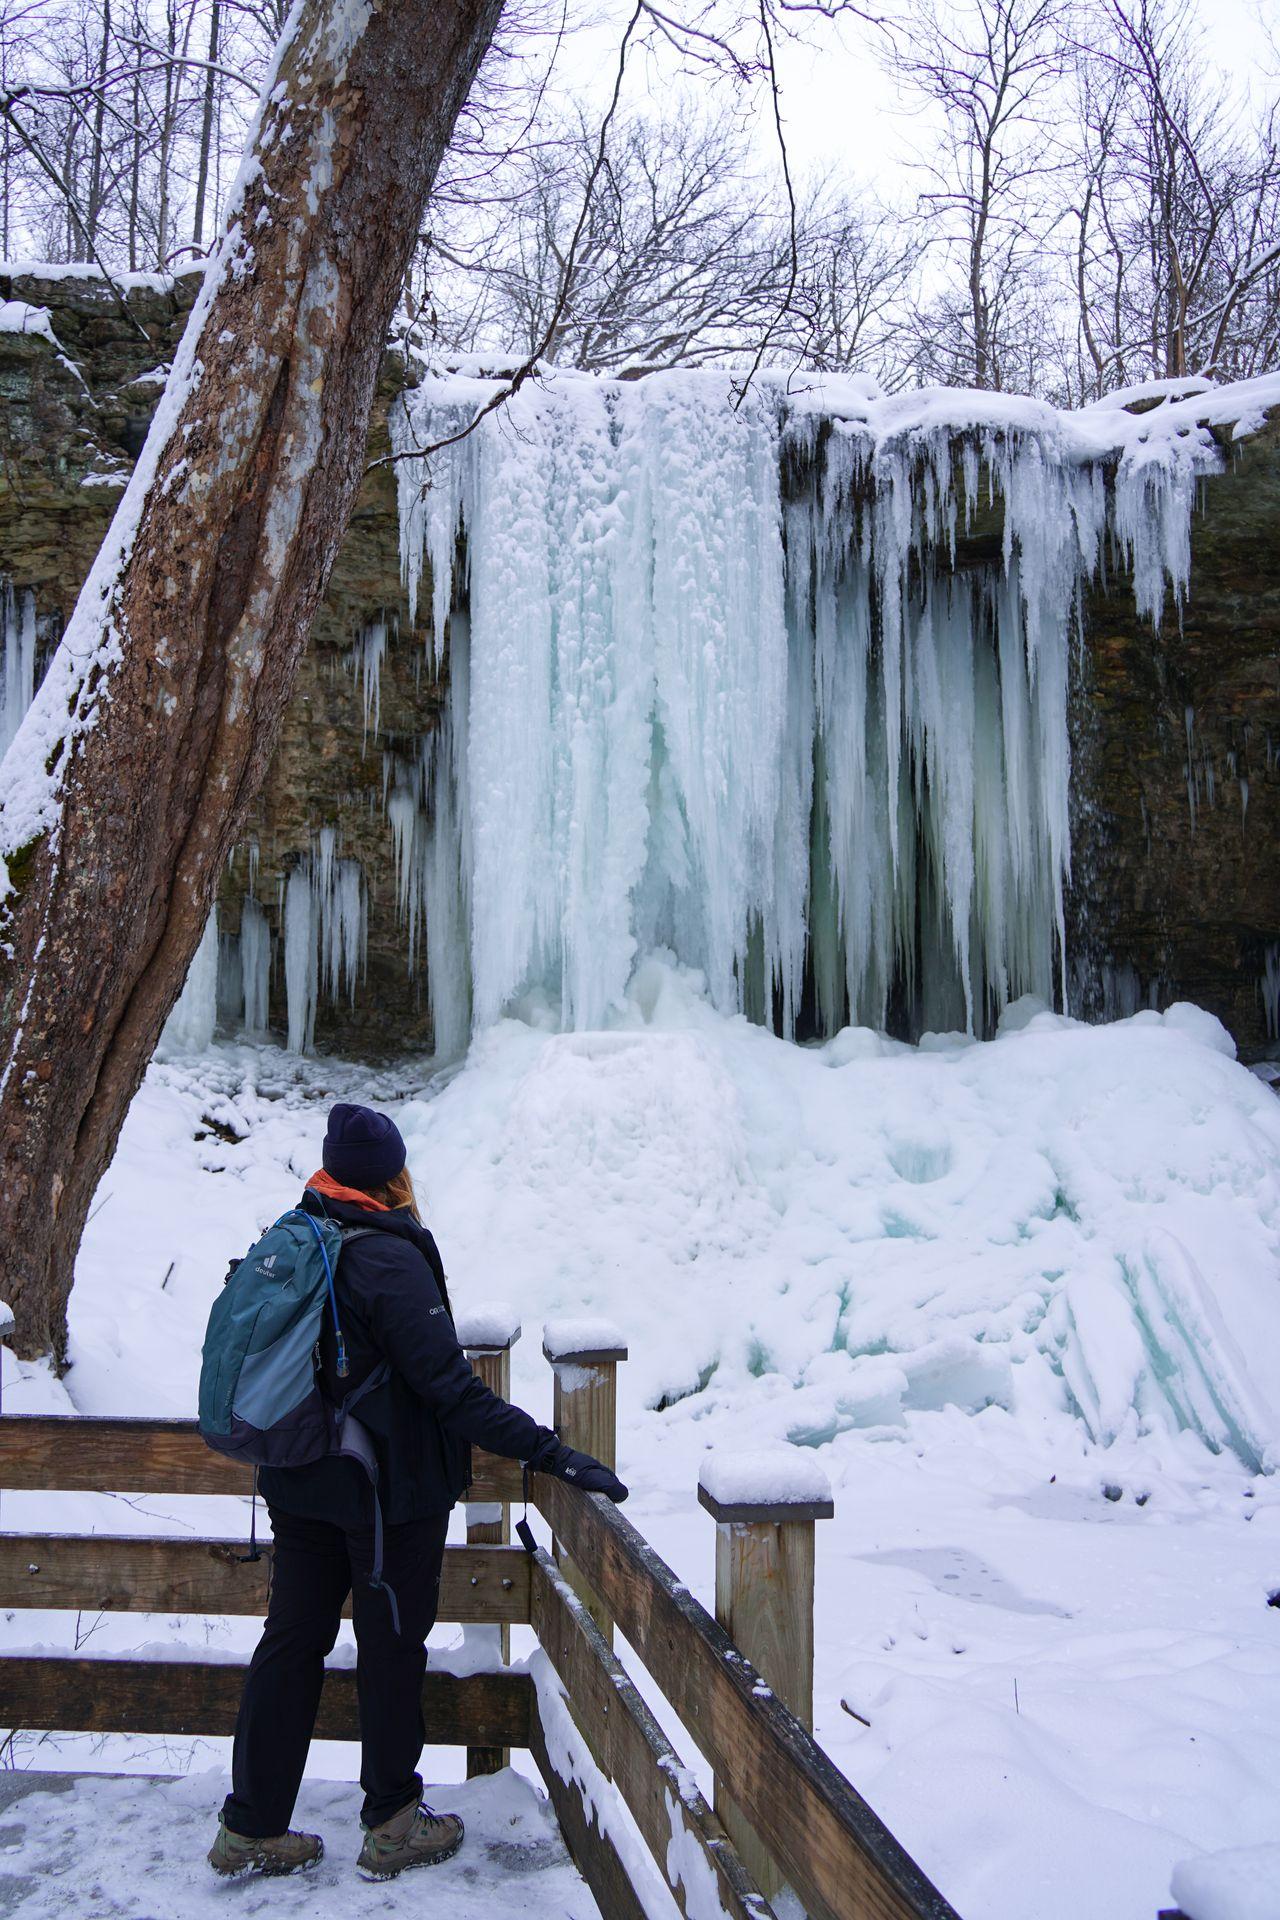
<point>190,1026</point>
<point>364,662</point>
<point>18,677</point>
<point>300,967</point>
<point>255,964</point>
<point>1270,990</point>
<point>403,807</point>
<point>343,933</point>
<point>444,894</point>
<point>230,989</point>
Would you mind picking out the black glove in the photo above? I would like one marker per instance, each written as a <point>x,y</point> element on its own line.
<point>579,1469</point>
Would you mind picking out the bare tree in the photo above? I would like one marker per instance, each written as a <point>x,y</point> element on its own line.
<point>987,69</point>
<point>682,257</point>
<point>853,304</point>
<point>113,109</point>
<point>131,778</point>
<point>685,257</point>
<point>206,124</point>
<point>1176,210</point>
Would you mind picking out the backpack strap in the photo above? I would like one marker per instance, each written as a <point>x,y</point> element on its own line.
<point>355,1233</point>
<point>356,1443</point>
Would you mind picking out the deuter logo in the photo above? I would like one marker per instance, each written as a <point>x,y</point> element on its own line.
<point>266,1266</point>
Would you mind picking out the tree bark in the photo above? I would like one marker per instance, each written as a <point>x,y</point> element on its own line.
<point>132,777</point>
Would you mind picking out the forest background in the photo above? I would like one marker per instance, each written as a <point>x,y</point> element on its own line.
<point>1058,197</point>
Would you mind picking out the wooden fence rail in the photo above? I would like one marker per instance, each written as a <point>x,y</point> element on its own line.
<point>139,1573</point>
<point>837,1854</point>
<point>631,1749</point>
<point>202,1697</point>
<point>72,1453</point>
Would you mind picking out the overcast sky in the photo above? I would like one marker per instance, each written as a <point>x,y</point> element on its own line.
<point>841,111</point>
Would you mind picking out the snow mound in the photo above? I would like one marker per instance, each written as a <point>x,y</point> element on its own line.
<point>1066,1223</point>
<point>1242,1883</point>
<point>1067,1218</point>
<point>19,316</point>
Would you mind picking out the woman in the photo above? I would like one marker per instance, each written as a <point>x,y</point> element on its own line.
<point>394,1309</point>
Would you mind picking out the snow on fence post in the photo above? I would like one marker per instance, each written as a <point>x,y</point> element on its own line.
<point>488,1332</point>
<point>584,1356</point>
<point>765,1505</point>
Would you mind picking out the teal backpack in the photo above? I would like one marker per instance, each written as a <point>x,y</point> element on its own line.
<point>261,1400</point>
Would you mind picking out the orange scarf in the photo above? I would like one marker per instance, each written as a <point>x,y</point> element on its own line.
<point>330,1189</point>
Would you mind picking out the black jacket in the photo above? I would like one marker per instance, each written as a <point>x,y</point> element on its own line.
<point>393,1304</point>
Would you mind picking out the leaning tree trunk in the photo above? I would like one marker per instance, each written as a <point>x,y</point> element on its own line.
<point>131,778</point>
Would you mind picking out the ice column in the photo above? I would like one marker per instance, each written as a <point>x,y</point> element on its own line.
<point>364,661</point>
<point>425,805</point>
<point>300,970</point>
<point>1270,989</point>
<point>255,964</point>
<point>18,632</point>
<point>325,933</point>
<point>191,1023</point>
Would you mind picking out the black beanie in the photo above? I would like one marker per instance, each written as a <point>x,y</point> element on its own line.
<point>362,1148</point>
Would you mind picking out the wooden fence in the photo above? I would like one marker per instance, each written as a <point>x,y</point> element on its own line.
<point>792,1813</point>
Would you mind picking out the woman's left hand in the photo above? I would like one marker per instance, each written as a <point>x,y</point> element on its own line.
<point>580,1470</point>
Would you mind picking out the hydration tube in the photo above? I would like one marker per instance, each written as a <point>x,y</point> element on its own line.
<point>333,1298</point>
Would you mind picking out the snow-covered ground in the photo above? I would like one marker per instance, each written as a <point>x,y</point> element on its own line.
<point>1022,1297</point>
<point>127,1848</point>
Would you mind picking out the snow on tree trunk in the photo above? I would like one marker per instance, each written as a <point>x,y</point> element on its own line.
<point>131,777</point>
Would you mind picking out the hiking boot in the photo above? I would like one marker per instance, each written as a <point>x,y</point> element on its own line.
<point>284,1853</point>
<point>414,1837</point>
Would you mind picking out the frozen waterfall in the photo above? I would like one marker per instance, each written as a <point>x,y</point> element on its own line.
<point>718,685</point>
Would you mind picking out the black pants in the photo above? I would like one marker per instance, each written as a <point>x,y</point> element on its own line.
<point>314,1566</point>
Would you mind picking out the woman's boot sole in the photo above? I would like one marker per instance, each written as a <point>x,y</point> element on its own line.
<point>269,1870</point>
<point>436,1859</point>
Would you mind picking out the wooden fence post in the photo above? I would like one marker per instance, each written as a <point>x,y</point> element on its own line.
<point>488,1333</point>
<point>584,1355</point>
<point>765,1506</point>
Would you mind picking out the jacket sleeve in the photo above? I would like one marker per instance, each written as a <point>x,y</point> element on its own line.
<point>411,1325</point>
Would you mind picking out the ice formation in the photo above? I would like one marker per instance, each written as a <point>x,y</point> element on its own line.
<point>18,674</point>
<point>324,936</point>
<point>255,964</point>
<point>191,1023</point>
<point>423,798</point>
<point>719,687</point>
<point>364,663</point>
<point>1269,986</point>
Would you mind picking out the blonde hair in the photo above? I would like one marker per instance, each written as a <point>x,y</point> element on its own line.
<point>398,1193</point>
